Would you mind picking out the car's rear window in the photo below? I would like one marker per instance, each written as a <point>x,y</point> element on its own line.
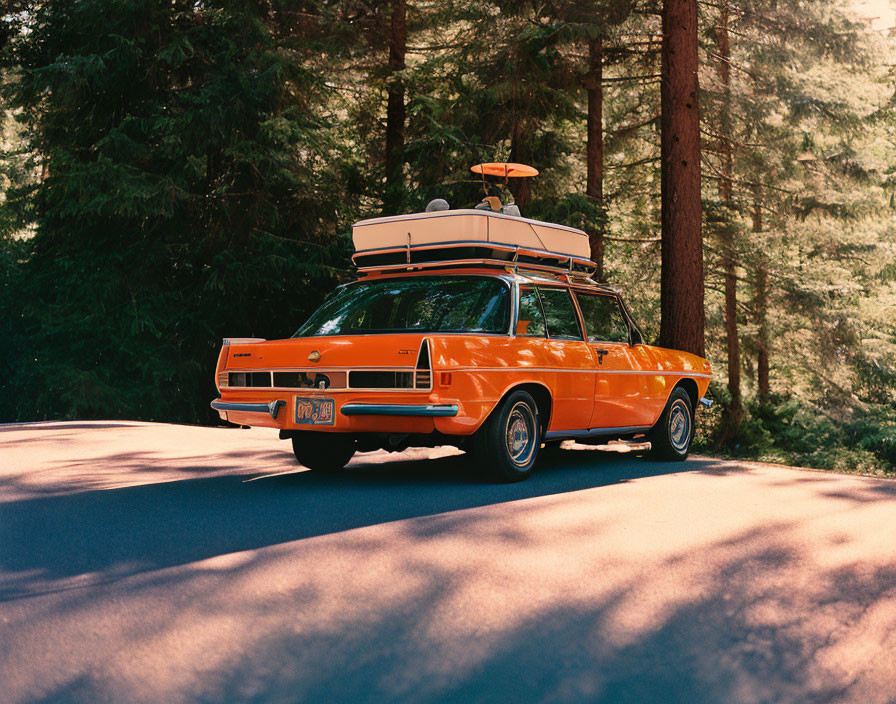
<point>423,304</point>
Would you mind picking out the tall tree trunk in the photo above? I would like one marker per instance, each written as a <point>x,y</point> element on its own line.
<point>594,187</point>
<point>681,284</point>
<point>395,107</point>
<point>520,188</point>
<point>761,304</point>
<point>734,412</point>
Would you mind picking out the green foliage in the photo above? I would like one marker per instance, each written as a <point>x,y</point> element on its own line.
<point>187,196</point>
<point>177,172</point>
<point>791,431</point>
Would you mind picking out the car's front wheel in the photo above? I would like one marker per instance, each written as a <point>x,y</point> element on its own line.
<point>323,452</point>
<point>670,438</point>
<point>507,445</point>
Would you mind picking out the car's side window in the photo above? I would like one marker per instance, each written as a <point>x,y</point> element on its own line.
<point>560,314</point>
<point>603,319</point>
<point>531,319</point>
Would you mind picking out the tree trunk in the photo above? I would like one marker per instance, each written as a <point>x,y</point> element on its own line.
<point>594,188</point>
<point>519,188</point>
<point>761,305</point>
<point>395,108</point>
<point>762,314</point>
<point>681,284</point>
<point>733,412</point>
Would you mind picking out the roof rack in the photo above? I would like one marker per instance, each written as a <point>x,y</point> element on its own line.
<point>467,253</point>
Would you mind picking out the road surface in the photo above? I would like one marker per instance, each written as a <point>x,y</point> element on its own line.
<point>161,563</point>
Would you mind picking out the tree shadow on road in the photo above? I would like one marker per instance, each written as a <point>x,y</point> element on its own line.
<point>124,531</point>
<point>750,616</point>
<point>752,632</point>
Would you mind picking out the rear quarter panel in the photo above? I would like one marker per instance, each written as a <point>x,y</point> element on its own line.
<point>484,368</point>
<point>672,366</point>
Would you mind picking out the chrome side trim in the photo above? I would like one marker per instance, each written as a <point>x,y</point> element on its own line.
<point>594,432</point>
<point>394,409</point>
<point>706,401</point>
<point>242,340</point>
<point>272,408</point>
<point>583,370</point>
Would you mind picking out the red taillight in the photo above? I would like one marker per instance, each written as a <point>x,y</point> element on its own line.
<point>423,375</point>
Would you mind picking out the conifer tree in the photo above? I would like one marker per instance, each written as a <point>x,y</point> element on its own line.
<point>395,108</point>
<point>683,316</point>
<point>186,197</point>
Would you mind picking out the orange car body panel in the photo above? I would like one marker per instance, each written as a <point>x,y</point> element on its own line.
<point>628,388</point>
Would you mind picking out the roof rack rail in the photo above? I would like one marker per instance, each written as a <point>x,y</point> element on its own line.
<point>469,252</point>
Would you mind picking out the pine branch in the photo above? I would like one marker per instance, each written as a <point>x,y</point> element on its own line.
<point>640,162</point>
<point>632,239</point>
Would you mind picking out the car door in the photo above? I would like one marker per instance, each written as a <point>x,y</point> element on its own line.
<point>567,361</point>
<point>618,392</point>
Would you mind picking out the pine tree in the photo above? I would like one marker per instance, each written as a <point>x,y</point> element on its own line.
<point>776,106</point>
<point>734,410</point>
<point>682,321</point>
<point>395,108</point>
<point>186,196</point>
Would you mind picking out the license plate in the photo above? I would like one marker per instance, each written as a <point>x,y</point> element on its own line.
<point>315,411</point>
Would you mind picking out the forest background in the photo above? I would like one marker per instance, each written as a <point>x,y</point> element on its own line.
<point>175,172</point>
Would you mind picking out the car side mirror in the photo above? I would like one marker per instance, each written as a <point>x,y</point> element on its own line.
<point>522,326</point>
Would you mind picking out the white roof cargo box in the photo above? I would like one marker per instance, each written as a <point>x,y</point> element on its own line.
<point>385,242</point>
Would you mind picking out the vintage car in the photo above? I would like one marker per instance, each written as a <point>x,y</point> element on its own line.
<point>472,328</point>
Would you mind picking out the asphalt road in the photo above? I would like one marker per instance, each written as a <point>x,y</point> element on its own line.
<point>162,563</point>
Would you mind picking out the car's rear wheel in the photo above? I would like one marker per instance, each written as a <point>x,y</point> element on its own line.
<point>507,445</point>
<point>323,452</point>
<point>671,437</point>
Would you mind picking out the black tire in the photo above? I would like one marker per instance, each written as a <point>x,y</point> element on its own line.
<point>323,452</point>
<point>507,445</point>
<point>671,437</point>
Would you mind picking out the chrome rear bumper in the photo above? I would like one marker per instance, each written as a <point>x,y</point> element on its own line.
<point>396,409</point>
<point>272,408</point>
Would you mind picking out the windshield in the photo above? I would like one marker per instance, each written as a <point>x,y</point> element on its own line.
<point>422,304</point>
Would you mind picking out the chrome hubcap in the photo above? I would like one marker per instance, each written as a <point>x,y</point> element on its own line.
<point>520,434</point>
<point>679,426</point>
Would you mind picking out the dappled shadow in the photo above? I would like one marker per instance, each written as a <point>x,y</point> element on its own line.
<point>710,649</point>
<point>80,689</point>
<point>65,425</point>
<point>131,529</point>
<point>697,581</point>
<point>869,493</point>
<point>148,461</point>
<point>121,469</point>
<point>745,636</point>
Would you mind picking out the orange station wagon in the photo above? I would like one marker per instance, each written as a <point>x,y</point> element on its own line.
<point>473,328</point>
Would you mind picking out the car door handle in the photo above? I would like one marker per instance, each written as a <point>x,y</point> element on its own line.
<point>601,353</point>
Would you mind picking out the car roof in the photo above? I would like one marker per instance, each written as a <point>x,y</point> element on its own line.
<point>521,275</point>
